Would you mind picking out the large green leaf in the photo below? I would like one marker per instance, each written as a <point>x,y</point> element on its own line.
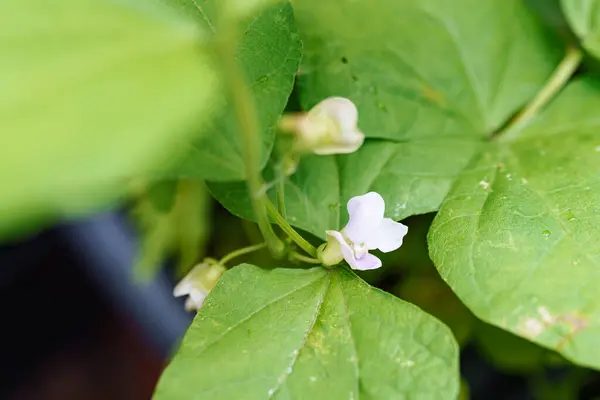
<point>584,17</point>
<point>92,92</point>
<point>435,78</point>
<point>427,68</point>
<point>410,176</point>
<point>518,237</point>
<point>269,52</point>
<point>303,334</point>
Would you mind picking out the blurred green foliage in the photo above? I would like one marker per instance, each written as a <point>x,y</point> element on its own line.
<point>92,94</point>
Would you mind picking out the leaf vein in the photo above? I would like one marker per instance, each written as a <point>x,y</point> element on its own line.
<point>287,372</point>
<point>253,313</point>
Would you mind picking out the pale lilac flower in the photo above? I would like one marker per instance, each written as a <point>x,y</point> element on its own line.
<point>198,283</point>
<point>330,127</point>
<point>366,230</point>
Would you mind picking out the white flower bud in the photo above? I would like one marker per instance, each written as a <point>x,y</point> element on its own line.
<point>198,283</point>
<point>330,127</point>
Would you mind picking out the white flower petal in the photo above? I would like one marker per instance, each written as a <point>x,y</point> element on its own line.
<point>348,142</point>
<point>195,300</point>
<point>367,262</point>
<point>345,248</point>
<point>366,215</point>
<point>189,304</point>
<point>330,127</point>
<point>198,296</point>
<point>388,236</point>
<point>198,283</point>
<point>183,288</point>
<point>340,110</point>
<point>332,252</point>
<point>192,280</point>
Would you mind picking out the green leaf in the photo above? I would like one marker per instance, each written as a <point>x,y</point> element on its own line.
<point>435,78</point>
<point>93,92</point>
<point>289,333</point>
<point>409,176</point>
<point>269,51</point>
<point>518,237</point>
<point>584,17</point>
<point>311,196</point>
<point>174,220</point>
<point>429,68</point>
<point>161,195</point>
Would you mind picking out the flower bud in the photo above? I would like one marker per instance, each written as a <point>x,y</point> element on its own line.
<point>330,127</point>
<point>198,283</point>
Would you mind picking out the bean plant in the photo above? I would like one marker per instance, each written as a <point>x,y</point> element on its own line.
<point>322,124</point>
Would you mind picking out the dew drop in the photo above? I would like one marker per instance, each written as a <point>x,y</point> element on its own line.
<point>262,79</point>
<point>570,216</point>
<point>546,233</point>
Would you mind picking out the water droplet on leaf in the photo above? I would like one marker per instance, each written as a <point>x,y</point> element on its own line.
<point>546,233</point>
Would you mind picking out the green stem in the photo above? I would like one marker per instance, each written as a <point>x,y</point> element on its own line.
<point>291,232</point>
<point>557,81</point>
<point>241,252</point>
<point>280,189</point>
<point>299,257</point>
<point>249,130</point>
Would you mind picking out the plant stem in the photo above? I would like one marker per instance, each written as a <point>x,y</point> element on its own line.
<point>291,232</point>
<point>280,189</point>
<point>249,131</point>
<point>241,252</point>
<point>303,258</point>
<point>559,78</point>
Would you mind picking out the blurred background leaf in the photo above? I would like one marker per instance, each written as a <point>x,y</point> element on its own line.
<point>174,218</point>
<point>91,93</point>
<point>269,52</point>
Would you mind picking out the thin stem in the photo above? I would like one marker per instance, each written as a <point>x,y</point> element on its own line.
<point>291,232</point>
<point>280,189</point>
<point>241,252</point>
<point>299,257</point>
<point>559,78</point>
<point>249,131</point>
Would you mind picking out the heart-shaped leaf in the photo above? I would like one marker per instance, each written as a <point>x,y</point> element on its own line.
<point>286,333</point>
